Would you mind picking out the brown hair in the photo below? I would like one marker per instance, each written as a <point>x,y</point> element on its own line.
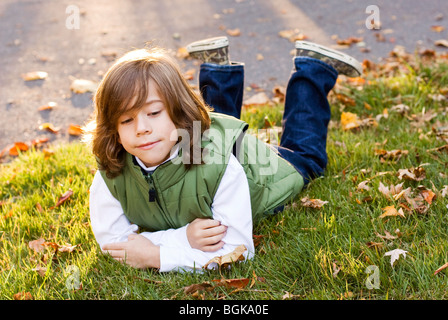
<point>125,88</point>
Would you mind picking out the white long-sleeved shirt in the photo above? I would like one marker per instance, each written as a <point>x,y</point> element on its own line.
<point>231,206</point>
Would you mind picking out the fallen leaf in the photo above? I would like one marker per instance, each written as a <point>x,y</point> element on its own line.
<point>349,121</point>
<point>233,283</point>
<point>386,236</point>
<point>313,203</point>
<point>18,146</point>
<point>37,245</point>
<point>437,28</point>
<point>233,32</point>
<point>35,75</point>
<point>441,268</point>
<point>395,255</point>
<point>428,195</point>
<point>260,98</point>
<point>392,155</point>
<point>441,43</point>
<point>49,127</point>
<point>225,260</point>
<point>23,296</point>
<point>75,130</point>
<point>194,288</point>
<point>390,191</point>
<point>40,270</point>
<point>292,35</point>
<point>414,174</point>
<point>349,41</point>
<point>290,296</point>
<point>63,198</point>
<point>390,211</point>
<point>48,106</point>
<point>83,86</point>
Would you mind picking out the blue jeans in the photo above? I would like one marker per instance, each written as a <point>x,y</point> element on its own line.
<point>306,115</point>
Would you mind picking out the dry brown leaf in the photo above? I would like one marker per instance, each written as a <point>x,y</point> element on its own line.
<point>393,155</point>
<point>35,75</point>
<point>37,245</point>
<point>63,198</point>
<point>227,259</point>
<point>386,236</point>
<point>390,191</point>
<point>290,296</point>
<point>414,174</point>
<point>441,268</point>
<point>313,203</point>
<point>233,283</point>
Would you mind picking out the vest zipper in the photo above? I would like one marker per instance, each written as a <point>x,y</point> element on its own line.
<point>152,189</point>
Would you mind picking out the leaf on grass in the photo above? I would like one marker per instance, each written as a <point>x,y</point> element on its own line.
<point>395,255</point>
<point>227,259</point>
<point>23,296</point>
<point>386,236</point>
<point>390,191</point>
<point>349,121</point>
<point>37,245</point>
<point>233,283</point>
<point>34,75</point>
<point>18,146</point>
<point>194,289</point>
<point>313,203</point>
<point>441,268</point>
<point>393,155</point>
<point>390,211</point>
<point>290,296</point>
<point>414,174</point>
<point>63,198</point>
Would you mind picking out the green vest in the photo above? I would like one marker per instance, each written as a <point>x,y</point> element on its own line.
<point>173,196</point>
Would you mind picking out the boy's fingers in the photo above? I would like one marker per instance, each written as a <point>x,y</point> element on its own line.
<point>213,247</point>
<point>218,230</point>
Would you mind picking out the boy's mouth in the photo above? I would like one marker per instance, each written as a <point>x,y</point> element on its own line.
<point>148,145</point>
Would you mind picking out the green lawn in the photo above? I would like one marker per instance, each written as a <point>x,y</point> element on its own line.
<point>308,253</point>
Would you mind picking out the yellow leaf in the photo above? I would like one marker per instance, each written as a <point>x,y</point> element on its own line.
<point>349,121</point>
<point>390,211</point>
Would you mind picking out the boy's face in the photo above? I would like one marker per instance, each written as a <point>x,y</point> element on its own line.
<point>149,133</point>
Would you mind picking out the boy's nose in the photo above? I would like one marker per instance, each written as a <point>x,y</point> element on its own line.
<point>143,126</point>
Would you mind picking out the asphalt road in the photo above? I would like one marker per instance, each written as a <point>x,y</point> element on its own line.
<point>44,35</point>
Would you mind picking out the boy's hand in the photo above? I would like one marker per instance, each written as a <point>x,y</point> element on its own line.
<point>206,234</point>
<point>138,252</point>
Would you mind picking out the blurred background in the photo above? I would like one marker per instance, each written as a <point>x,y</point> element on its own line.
<point>67,40</point>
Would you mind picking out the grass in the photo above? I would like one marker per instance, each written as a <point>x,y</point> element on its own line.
<point>308,253</point>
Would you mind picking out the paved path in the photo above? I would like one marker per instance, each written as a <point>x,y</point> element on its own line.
<point>34,36</point>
